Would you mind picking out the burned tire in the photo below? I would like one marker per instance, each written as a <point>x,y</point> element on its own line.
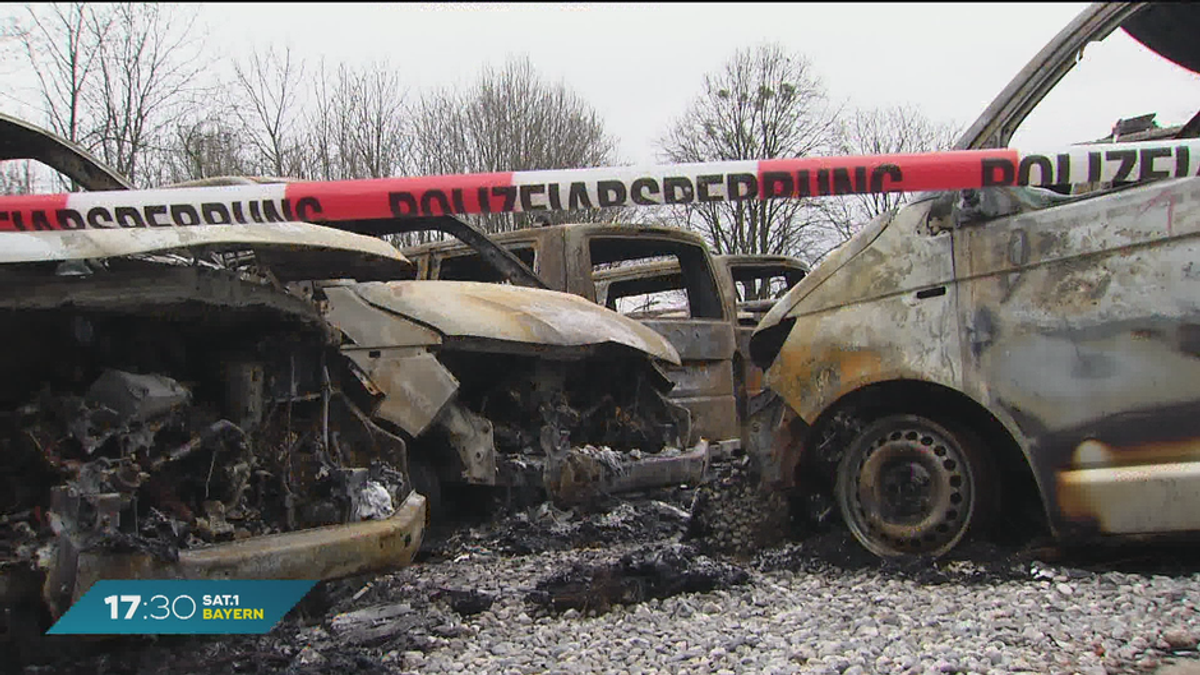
<point>426,482</point>
<point>908,487</point>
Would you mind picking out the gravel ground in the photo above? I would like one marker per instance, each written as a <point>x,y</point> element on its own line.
<point>1056,620</point>
<point>479,605</point>
<point>800,613</point>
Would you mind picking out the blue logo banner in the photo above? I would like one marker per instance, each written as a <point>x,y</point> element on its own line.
<point>147,607</point>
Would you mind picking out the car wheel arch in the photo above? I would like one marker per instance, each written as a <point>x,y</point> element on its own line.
<point>941,404</point>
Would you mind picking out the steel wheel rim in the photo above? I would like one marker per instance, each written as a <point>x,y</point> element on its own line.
<point>911,492</point>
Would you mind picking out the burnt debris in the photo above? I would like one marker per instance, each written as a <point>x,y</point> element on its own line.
<point>656,571</point>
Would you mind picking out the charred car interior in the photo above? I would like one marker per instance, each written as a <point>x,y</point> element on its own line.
<point>759,281</point>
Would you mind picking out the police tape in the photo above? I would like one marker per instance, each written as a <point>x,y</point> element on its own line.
<point>331,202</point>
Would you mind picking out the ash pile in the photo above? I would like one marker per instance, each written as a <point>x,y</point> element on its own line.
<point>650,572</point>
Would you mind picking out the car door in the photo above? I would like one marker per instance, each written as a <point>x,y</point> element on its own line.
<point>1082,324</point>
<point>757,282</point>
<point>1081,312</point>
<point>700,326</point>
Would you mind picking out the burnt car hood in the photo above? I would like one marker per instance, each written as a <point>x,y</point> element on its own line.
<point>302,250</point>
<point>471,309</point>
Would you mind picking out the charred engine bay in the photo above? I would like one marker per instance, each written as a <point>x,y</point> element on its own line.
<point>565,429</point>
<point>155,410</point>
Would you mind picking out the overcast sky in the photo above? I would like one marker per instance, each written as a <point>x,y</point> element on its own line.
<point>640,65</point>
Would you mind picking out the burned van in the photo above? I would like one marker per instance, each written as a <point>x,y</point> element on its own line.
<point>974,354</point>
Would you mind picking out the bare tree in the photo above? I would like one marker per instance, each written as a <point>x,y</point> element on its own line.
<point>764,103</point>
<point>378,138</point>
<point>322,123</point>
<point>61,44</point>
<point>61,41</point>
<point>203,149</point>
<point>148,64</point>
<point>512,120</point>
<point>267,105</point>
<point>17,177</point>
<point>889,130</point>
<point>358,125</point>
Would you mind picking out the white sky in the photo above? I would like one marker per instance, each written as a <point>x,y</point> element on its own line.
<point>640,65</point>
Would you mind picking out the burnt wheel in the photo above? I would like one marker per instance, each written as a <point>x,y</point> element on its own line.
<point>908,486</point>
<point>425,481</point>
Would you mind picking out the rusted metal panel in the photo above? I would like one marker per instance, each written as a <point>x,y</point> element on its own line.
<point>700,379</point>
<point>660,268</point>
<point>689,468</point>
<point>414,385</point>
<point>472,437</point>
<point>706,389</point>
<point>53,246</point>
<point>697,339</point>
<point>757,271</point>
<point>182,289</point>
<point>889,313</point>
<point>773,434</point>
<point>775,264</point>
<point>755,309</point>
<point>583,473</point>
<point>517,315</point>
<point>368,326</point>
<point>714,418</point>
<point>22,140</point>
<point>1080,326</point>
<point>753,377</point>
<point>319,553</point>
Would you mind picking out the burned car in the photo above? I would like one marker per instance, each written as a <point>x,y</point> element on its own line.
<point>278,399</point>
<point>759,281</point>
<point>657,290</point>
<point>170,413</point>
<point>974,354</point>
<point>694,309</point>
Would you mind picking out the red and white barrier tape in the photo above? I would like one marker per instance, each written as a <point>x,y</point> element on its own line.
<point>331,202</point>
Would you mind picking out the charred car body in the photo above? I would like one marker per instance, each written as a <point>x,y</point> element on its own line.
<point>974,353</point>
<point>583,258</point>
<point>754,281</point>
<point>259,401</point>
<point>759,281</point>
